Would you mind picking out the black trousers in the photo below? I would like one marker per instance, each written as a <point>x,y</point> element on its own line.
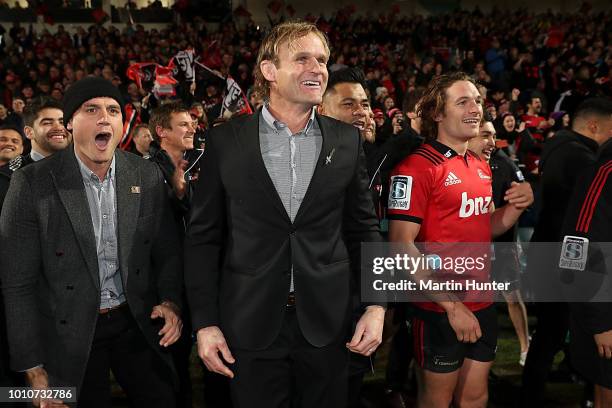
<point>291,372</point>
<point>548,339</point>
<point>120,346</point>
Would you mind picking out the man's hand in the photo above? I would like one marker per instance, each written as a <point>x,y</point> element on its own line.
<point>179,185</point>
<point>463,322</point>
<point>521,127</point>
<point>520,195</point>
<point>173,324</point>
<point>604,344</point>
<point>38,379</point>
<point>515,94</point>
<point>210,342</point>
<point>368,333</point>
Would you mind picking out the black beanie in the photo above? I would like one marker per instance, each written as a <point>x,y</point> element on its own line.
<point>88,88</point>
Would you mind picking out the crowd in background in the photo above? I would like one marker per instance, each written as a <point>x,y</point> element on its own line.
<point>559,58</point>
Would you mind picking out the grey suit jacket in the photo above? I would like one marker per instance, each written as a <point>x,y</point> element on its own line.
<point>49,268</point>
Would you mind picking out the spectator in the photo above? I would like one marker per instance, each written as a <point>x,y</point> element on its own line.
<point>11,143</point>
<point>141,138</point>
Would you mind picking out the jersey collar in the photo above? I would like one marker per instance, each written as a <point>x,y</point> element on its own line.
<point>443,149</point>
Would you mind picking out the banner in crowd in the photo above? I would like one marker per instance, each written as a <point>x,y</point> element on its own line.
<point>234,100</point>
<point>183,64</point>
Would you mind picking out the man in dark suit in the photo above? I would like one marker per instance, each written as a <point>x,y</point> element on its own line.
<point>90,260</point>
<point>277,220</point>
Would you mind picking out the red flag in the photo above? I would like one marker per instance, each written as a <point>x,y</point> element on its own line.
<point>164,81</point>
<point>143,73</point>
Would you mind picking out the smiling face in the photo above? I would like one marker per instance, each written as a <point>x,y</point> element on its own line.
<point>348,103</point>
<point>299,77</point>
<point>47,133</point>
<point>462,112</point>
<point>11,145</point>
<point>484,144</point>
<point>509,123</point>
<point>96,128</point>
<point>179,137</point>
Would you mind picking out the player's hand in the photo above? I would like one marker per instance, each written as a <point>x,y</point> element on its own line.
<point>464,323</point>
<point>179,185</point>
<point>368,332</point>
<point>520,195</point>
<point>38,379</point>
<point>211,342</point>
<point>604,344</point>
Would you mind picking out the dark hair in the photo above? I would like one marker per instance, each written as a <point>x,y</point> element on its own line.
<point>13,126</point>
<point>433,101</point>
<point>32,109</point>
<point>162,115</point>
<point>346,75</point>
<point>599,106</point>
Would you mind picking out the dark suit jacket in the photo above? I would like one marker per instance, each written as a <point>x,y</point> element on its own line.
<point>49,267</point>
<point>241,244</point>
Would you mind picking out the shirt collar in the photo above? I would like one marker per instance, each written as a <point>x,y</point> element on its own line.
<point>278,125</point>
<point>89,175</point>
<point>443,149</point>
<point>34,155</point>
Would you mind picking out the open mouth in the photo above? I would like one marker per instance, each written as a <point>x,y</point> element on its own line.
<point>472,121</point>
<point>359,124</point>
<point>312,84</point>
<point>56,136</point>
<point>487,152</point>
<point>102,140</point>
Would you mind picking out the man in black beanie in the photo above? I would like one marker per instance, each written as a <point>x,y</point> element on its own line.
<point>90,263</point>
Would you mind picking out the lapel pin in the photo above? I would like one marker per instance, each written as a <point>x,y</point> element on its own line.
<point>135,189</point>
<point>329,157</point>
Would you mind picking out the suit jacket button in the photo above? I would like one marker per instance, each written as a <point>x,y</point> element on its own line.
<point>63,322</point>
<point>69,287</point>
<point>59,252</point>
<point>137,271</point>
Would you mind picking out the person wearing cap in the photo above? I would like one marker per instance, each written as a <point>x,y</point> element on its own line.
<point>90,263</point>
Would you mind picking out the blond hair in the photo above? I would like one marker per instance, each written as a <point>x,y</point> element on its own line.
<point>284,33</point>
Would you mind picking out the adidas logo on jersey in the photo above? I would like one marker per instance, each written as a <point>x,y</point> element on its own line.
<point>473,206</point>
<point>451,179</point>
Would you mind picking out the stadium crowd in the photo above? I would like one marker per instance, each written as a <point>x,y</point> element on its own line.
<point>543,85</point>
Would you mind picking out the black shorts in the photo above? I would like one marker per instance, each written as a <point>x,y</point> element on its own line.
<point>436,347</point>
<point>585,357</point>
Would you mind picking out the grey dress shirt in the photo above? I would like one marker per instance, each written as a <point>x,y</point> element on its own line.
<point>290,159</point>
<point>102,201</point>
